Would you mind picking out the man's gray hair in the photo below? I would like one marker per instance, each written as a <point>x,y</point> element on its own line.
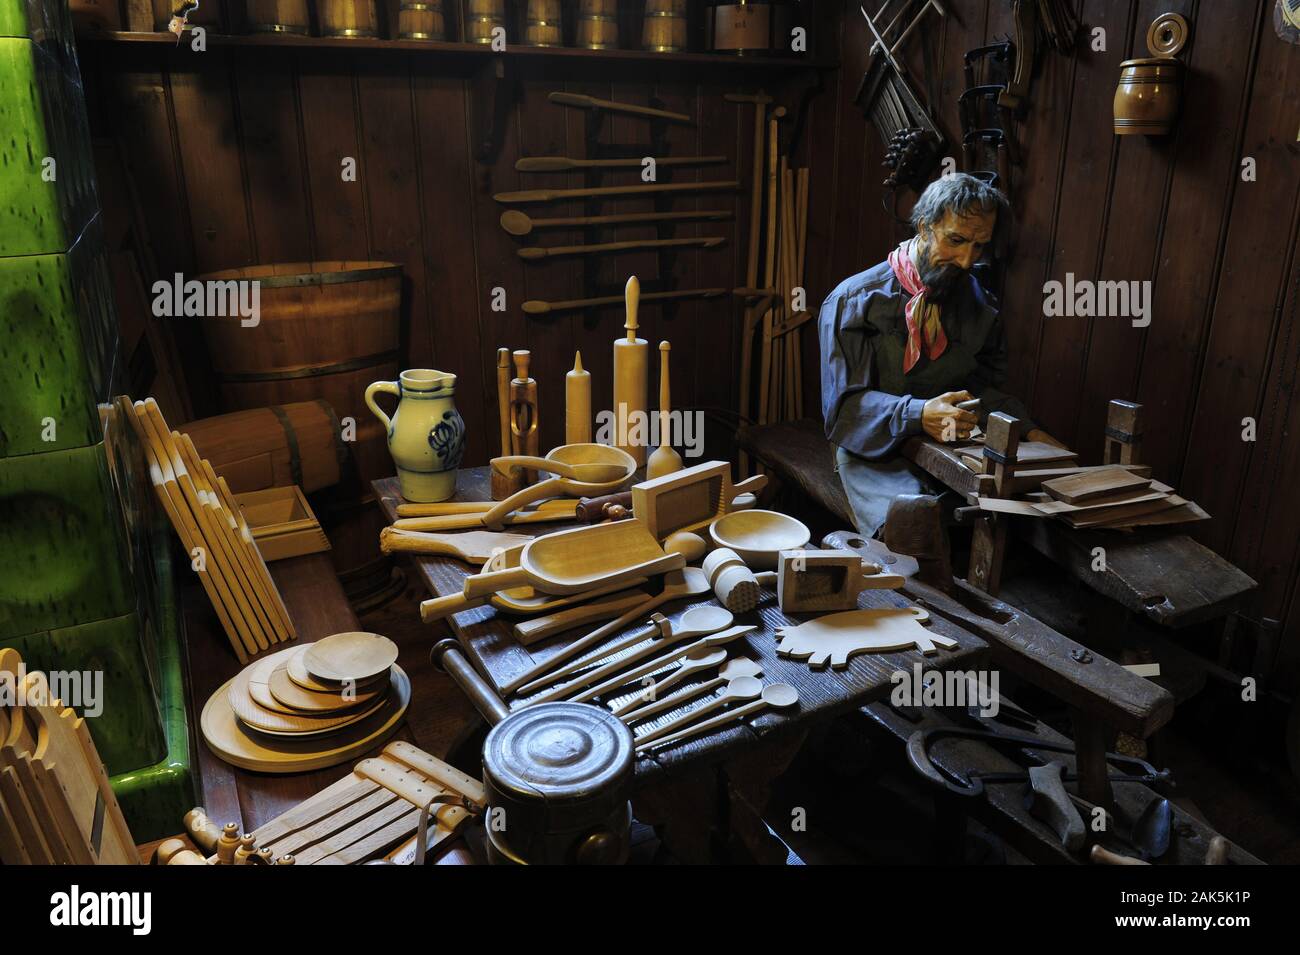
<point>961,193</point>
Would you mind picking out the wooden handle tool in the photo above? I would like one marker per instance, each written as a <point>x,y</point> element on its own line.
<point>664,460</point>
<point>448,508</point>
<point>537,253</point>
<point>591,102</point>
<point>564,163</point>
<point>557,195</point>
<point>523,413</point>
<point>503,485</point>
<point>520,223</point>
<point>534,307</point>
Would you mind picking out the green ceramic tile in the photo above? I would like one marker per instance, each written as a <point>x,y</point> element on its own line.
<point>42,116</point>
<point>63,553</point>
<point>58,342</point>
<point>128,728</point>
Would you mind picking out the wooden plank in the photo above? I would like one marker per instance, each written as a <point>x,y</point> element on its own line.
<point>327,100</point>
<point>1089,485</point>
<point>1086,179</point>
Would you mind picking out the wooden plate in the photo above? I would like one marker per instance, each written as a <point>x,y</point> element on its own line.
<point>264,720</point>
<point>259,676</point>
<point>350,656</point>
<point>245,748</point>
<point>312,703</point>
<point>298,673</point>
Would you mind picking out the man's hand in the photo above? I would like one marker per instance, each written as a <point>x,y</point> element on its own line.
<point>1039,435</point>
<point>944,421</point>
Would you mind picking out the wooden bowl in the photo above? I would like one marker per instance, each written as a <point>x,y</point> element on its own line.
<point>759,536</point>
<point>595,454</point>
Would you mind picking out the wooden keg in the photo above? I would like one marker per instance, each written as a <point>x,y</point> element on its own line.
<point>749,27</point>
<point>1148,96</point>
<point>298,443</point>
<point>353,19</point>
<point>481,18</point>
<point>278,16</point>
<point>598,24</point>
<point>421,20</point>
<point>542,26</point>
<point>664,29</point>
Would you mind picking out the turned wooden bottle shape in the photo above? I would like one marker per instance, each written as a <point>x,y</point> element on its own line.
<point>523,412</point>
<point>664,460</point>
<point>631,368</point>
<point>577,404</point>
<point>426,436</point>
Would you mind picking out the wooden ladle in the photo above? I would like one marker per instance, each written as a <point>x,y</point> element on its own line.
<point>741,689</point>
<point>595,473</point>
<point>678,585</point>
<point>566,454</point>
<point>652,701</point>
<point>777,695</point>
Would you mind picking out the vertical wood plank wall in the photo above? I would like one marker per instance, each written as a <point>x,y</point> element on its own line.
<point>238,162</point>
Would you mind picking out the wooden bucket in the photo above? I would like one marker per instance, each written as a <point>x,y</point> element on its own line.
<point>664,29</point>
<point>421,20</point>
<point>748,28</point>
<point>481,18</point>
<point>278,16</point>
<point>298,443</point>
<point>598,24</point>
<point>353,19</point>
<point>543,24</point>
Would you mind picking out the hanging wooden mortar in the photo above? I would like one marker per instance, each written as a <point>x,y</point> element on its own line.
<point>631,374</point>
<point>1150,90</point>
<point>664,460</point>
<point>523,413</point>
<point>503,485</point>
<point>577,404</point>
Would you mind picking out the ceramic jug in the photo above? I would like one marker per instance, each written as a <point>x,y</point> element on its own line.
<point>426,436</point>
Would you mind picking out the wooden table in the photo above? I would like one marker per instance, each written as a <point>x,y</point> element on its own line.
<point>318,607</point>
<point>755,750</point>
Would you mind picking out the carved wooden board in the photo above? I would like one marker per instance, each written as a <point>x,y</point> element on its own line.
<point>838,636</point>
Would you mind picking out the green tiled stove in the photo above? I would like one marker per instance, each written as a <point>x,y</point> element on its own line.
<point>85,577</point>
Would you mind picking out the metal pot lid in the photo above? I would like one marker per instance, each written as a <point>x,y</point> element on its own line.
<point>558,752</point>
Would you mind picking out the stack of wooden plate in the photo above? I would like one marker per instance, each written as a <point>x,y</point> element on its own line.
<point>308,707</point>
<point>211,525</point>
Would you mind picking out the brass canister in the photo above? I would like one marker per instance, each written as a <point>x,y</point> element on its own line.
<point>421,20</point>
<point>481,18</point>
<point>598,24</point>
<point>664,29</point>
<point>353,19</point>
<point>543,24</point>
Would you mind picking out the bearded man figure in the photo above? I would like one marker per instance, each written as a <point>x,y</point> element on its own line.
<point>906,341</point>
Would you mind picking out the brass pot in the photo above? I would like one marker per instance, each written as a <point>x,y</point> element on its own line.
<point>1148,96</point>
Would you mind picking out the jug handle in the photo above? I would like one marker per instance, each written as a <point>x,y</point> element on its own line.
<point>388,388</point>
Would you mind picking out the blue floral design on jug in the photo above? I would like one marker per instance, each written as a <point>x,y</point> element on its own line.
<point>447,439</point>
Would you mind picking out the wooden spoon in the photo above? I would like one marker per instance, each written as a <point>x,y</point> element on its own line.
<point>587,473</point>
<point>778,695</point>
<point>741,689</point>
<point>679,584</point>
<point>650,666</point>
<point>696,662</point>
<point>645,704</point>
<point>517,222</point>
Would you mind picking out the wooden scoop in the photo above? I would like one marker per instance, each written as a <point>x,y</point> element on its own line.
<point>567,454</point>
<point>650,702</point>
<point>678,585</point>
<point>741,689</point>
<point>580,559</point>
<point>779,695</point>
<point>594,473</point>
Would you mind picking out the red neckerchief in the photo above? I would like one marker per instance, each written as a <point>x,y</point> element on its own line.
<point>924,330</point>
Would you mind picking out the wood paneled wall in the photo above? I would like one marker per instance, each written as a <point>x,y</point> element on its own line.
<point>239,163</point>
<point>1220,252</point>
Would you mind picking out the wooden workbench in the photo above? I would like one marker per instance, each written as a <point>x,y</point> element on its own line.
<point>491,647</point>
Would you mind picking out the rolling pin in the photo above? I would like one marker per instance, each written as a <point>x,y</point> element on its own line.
<point>523,413</point>
<point>664,460</point>
<point>631,373</point>
<point>503,485</point>
<point>577,404</point>
<point>593,510</point>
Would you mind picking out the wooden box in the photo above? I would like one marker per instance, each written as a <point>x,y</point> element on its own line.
<point>282,522</point>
